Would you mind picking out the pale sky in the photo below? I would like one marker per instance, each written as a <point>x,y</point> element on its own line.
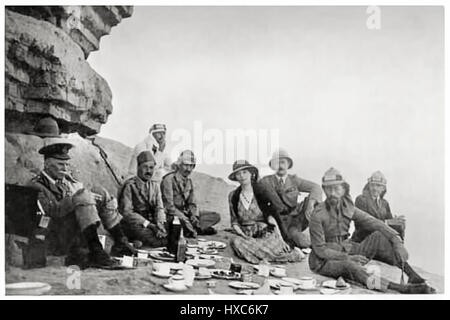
<point>340,94</point>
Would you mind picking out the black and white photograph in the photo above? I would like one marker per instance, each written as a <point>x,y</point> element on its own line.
<point>224,151</point>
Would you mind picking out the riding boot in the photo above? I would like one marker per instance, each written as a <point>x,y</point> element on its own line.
<point>121,245</point>
<point>97,256</point>
<point>413,276</point>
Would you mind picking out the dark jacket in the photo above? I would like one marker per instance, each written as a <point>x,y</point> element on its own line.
<point>288,194</point>
<point>366,203</point>
<point>59,207</point>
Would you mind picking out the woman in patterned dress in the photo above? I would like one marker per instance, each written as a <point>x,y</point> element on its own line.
<point>258,235</point>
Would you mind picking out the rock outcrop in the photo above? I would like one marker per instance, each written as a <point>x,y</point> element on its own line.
<point>46,72</point>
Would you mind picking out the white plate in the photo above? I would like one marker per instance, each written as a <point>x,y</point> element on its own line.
<point>174,289</point>
<point>200,263</point>
<point>243,285</point>
<point>331,284</point>
<point>27,288</point>
<point>335,291</point>
<point>301,287</point>
<point>247,292</point>
<point>277,275</point>
<point>216,244</point>
<point>295,281</point>
<point>161,275</point>
<point>276,283</point>
<point>210,256</point>
<point>226,275</point>
<point>161,255</point>
<point>202,277</point>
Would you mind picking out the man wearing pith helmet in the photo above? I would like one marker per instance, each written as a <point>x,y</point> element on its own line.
<point>373,202</point>
<point>178,194</point>
<point>335,255</point>
<point>285,190</point>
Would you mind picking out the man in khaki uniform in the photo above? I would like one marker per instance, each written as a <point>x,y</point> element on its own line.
<point>76,212</point>
<point>179,199</point>
<point>141,205</point>
<point>335,255</point>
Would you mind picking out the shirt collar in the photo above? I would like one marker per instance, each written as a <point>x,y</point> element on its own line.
<point>53,181</point>
<point>282,178</point>
<point>180,178</point>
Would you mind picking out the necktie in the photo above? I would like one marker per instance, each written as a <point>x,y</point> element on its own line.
<point>65,190</point>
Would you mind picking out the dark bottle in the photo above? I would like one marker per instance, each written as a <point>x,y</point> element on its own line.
<point>174,235</point>
<point>181,248</point>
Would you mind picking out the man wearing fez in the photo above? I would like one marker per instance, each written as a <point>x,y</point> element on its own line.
<point>285,190</point>
<point>76,213</point>
<point>373,202</point>
<point>141,205</point>
<point>178,195</point>
<point>155,142</point>
<point>335,255</point>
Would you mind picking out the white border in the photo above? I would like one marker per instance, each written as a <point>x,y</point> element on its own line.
<point>446,295</point>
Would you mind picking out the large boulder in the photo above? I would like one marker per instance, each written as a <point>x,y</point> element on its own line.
<point>46,72</point>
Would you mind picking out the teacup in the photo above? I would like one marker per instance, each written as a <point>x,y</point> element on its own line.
<point>142,254</point>
<point>204,271</point>
<point>189,275</point>
<point>127,261</point>
<point>162,268</point>
<point>264,270</point>
<point>177,281</point>
<point>286,288</point>
<point>191,251</point>
<point>308,282</point>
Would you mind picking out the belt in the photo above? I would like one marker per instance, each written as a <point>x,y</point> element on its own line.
<point>338,239</point>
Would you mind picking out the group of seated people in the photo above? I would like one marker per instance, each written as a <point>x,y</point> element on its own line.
<point>269,218</point>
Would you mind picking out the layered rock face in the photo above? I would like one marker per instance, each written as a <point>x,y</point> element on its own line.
<point>46,72</point>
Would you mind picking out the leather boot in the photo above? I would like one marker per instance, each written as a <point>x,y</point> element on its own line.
<point>207,232</point>
<point>98,258</point>
<point>77,256</point>
<point>121,245</point>
<point>413,276</point>
<point>418,288</point>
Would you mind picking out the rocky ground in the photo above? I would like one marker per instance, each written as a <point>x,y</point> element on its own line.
<point>140,281</point>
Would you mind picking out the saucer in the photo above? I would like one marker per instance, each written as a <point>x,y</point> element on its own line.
<point>277,275</point>
<point>27,288</point>
<point>200,263</point>
<point>175,289</point>
<point>243,285</point>
<point>331,284</point>
<point>161,275</point>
